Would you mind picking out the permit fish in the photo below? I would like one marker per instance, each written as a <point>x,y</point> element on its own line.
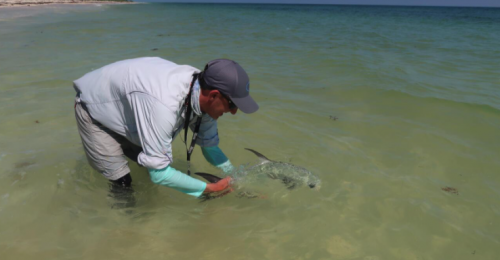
<point>213,179</point>
<point>209,177</point>
<point>292,176</point>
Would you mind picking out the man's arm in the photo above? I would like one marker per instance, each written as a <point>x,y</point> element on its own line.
<point>154,126</point>
<point>177,180</point>
<point>208,140</point>
<point>217,158</point>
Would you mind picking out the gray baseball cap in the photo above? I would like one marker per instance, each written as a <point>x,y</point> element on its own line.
<point>230,78</point>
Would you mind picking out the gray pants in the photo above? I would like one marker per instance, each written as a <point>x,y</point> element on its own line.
<point>105,149</point>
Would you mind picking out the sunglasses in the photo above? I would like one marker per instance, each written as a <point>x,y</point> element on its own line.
<point>232,106</point>
<point>203,85</point>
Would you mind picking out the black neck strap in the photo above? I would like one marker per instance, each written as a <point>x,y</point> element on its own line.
<point>189,110</point>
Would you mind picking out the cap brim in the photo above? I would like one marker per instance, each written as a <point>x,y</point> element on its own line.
<point>246,104</point>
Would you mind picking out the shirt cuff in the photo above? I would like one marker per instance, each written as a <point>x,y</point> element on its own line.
<point>226,167</point>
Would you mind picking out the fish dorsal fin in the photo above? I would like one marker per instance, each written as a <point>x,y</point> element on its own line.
<point>209,177</point>
<point>262,158</point>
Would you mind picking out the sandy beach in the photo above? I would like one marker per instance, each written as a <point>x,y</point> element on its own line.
<point>9,3</point>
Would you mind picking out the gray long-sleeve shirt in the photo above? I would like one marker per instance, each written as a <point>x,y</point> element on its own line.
<point>143,100</point>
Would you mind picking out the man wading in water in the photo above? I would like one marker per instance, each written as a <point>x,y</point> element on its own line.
<point>136,108</point>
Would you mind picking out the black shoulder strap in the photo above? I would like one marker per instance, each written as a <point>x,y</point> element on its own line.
<point>189,110</point>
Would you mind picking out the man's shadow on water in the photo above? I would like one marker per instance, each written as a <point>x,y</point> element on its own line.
<point>121,193</point>
<point>121,190</point>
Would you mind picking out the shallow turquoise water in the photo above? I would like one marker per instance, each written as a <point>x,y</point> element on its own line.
<point>415,93</point>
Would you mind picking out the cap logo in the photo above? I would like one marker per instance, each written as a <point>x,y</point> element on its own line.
<point>248,87</point>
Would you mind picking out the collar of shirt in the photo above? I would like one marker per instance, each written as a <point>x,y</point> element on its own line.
<point>195,98</point>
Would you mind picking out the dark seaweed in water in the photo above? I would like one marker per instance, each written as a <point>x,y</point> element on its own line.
<point>21,165</point>
<point>450,190</point>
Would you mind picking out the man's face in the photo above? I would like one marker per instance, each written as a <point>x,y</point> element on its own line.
<point>219,105</point>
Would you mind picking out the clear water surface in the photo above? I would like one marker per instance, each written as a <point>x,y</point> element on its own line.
<point>396,109</point>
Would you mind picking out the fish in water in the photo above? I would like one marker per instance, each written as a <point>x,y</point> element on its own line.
<point>292,176</point>
<point>213,179</point>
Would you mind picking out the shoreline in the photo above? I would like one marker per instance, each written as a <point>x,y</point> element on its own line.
<point>30,3</point>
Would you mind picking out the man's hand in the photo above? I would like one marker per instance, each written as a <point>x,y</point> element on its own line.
<point>219,186</point>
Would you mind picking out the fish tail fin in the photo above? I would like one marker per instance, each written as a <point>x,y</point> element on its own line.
<point>210,196</point>
<point>209,177</point>
<point>262,158</point>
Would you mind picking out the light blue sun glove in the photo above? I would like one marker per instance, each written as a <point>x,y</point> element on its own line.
<point>217,158</point>
<point>175,179</point>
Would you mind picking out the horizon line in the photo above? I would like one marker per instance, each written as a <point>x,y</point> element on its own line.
<point>373,5</point>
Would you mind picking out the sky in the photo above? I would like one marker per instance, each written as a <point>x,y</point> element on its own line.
<point>478,3</point>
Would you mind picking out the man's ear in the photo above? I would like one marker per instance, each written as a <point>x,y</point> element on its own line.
<point>213,94</point>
